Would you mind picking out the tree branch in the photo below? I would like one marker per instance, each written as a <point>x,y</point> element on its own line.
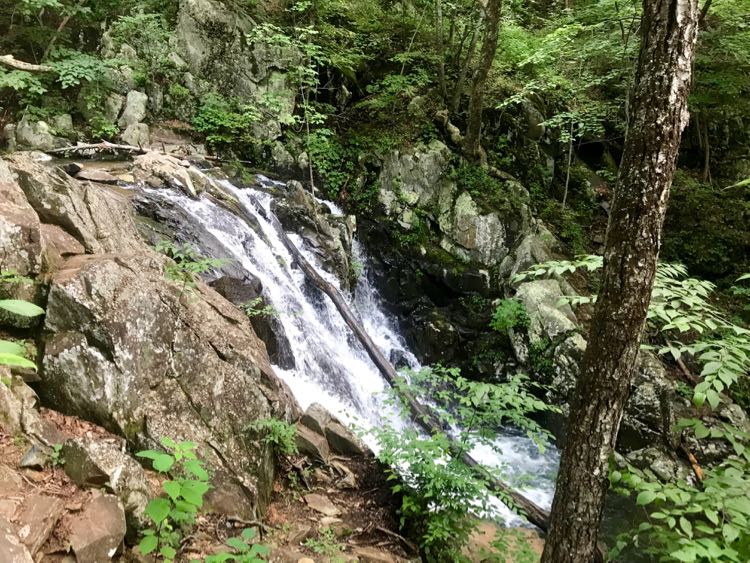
<point>12,62</point>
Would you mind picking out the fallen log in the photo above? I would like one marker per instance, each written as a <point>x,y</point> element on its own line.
<point>104,146</point>
<point>422,416</point>
<point>14,63</point>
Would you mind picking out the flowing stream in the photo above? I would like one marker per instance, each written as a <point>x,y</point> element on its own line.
<point>330,366</point>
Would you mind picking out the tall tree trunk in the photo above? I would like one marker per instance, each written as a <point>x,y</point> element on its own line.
<point>440,48</point>
<point>658,115</point>
<point>472,147</point>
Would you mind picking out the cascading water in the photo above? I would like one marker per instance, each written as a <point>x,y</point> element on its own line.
<point>330,366</point>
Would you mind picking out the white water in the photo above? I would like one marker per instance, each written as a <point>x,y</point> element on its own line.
<point>331,367</point>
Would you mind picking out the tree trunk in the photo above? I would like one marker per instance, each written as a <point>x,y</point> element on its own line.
<point>440,48</point>
<point>472,147</point>
<point>658,115</point>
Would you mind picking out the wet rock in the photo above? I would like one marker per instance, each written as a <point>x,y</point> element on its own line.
<point>96,533</point>
<point>38,135</point>
<point>328,239</point>
<point>36,519</point>
<point>267,326</point>
<point>135,109</point>
<point>72,168</point>
<point>99,463</point>
<point>342,440</point>
<point>96,175</point>
<point>312,444</point>
<point>322,504</point>
<point>11,548</point>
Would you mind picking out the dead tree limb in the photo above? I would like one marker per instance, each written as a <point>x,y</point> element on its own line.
<point>422,416</point>
<point>104,146</point>
<point>12,62</point>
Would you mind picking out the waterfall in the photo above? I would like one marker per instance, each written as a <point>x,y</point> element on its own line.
<point>330,366</point>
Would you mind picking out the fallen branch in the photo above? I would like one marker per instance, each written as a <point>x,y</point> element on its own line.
<point>422,416</point>
<point>104,146</point>
<point>12,62</point>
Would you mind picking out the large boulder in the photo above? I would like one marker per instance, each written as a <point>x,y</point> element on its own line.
<point>132,352</point>
<point>38,135</point>
<point>98,217</point>
<point>21,243</point>
<point>329,237</point>
<point>417,189</point>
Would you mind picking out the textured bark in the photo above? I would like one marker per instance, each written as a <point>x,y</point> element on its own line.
<point>658,115</point>
<point>476,100</point>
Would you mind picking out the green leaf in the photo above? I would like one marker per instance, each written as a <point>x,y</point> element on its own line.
<point>148,544</point>
<point>8,347</point>
<point>193,491</point>
<point>168,552</point>
<point>686,526</point>
<point>645,497</point>
<point>172,488</point>
<point>21,308</point>
<point>238,544</point>
<point>729,532</point>
<point>16,361</point>
<point>163,463</point>
<point>713,398</point>
<point>712,516</point>
<point>158,509</point>
<point>195,468</point>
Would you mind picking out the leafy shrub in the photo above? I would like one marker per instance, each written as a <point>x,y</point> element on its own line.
<point>243,550</point>
<point>441,495</point>
<point>174,514</point>
<point>227,125</point>
<point>187,264</point>
<point>277,433</point>
<point>509,313</point>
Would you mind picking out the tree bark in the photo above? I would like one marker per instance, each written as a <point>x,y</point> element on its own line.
<point>472,146</point>
<point>658,115</point>
<point>12,62</point>
<point>440,48</point>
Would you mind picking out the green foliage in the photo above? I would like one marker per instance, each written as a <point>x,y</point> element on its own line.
<point>227,125</point>
<point>277,433</point>
<point>257,308</point>
<point>509,314</point>
<point>55,457</point>
<point>21,308</point>
<point>684,321</point>
<point>490,193</point>
<point>174,514</point>
<point>187,265</point>
<point>326,543</point>
<point>243,551</point>
<point>709,522</point>
<point>441,495</point>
